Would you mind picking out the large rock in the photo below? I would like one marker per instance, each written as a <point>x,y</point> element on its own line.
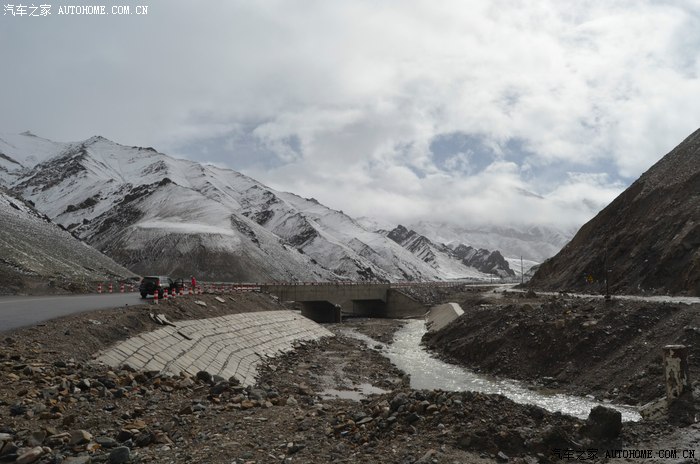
<point>603,424</point>
<point>120,455</point>
<point>80,437</point>
<point>29,456</point>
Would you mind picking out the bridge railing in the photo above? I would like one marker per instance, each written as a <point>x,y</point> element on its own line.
<point>219,286</point>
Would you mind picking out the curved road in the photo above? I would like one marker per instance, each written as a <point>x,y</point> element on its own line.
<point>20,311</point>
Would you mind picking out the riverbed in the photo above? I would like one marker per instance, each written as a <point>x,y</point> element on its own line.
<point>428,372</point>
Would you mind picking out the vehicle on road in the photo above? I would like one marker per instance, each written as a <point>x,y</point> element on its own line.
<point>151,284</point>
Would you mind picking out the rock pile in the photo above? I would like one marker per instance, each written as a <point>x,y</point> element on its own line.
<point>78,413</point>
<point>457,418</point>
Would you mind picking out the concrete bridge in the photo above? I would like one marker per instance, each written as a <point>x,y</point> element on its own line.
<point>329,301</point>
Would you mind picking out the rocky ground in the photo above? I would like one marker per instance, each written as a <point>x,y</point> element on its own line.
<point>612,350</point>
<point>56,405</point>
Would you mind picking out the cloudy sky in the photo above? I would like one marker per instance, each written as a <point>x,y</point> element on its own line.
<point>465,111</point>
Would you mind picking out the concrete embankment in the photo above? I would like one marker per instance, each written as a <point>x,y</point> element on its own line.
<point>441,315</point>
<point>229,346</point>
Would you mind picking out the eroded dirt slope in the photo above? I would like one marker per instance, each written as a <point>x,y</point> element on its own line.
<point>585,346</point>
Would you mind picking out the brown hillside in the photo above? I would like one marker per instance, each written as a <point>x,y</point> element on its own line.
<point>649,236</point>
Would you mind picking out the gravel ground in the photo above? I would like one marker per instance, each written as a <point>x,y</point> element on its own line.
<point>336,400</point>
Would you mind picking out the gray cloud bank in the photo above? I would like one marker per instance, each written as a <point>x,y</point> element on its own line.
<point>462,111</point>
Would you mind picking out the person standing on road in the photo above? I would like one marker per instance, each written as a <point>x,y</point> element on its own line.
<point>194,283</point>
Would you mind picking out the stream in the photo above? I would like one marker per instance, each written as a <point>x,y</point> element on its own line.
<point>431,373</point>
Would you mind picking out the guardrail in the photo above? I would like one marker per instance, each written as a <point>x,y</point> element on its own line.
<point>118,286</point>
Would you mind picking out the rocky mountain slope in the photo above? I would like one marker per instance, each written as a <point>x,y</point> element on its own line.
<point>647,240</point>
<point>154,213</point>
<point>35,253</point>
<point>534,243</point>
<point>443,257</point>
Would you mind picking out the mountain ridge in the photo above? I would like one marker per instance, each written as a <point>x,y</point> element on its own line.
<point>155,213</point>
<point>489,262</point>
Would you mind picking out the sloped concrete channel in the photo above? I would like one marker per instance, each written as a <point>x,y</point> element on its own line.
<point>228,346</point>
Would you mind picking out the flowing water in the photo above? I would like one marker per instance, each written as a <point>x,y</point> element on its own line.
<point>429,372</point>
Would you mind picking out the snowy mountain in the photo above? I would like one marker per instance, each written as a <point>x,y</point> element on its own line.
<point>34,252</point>
<point>20,152</point>
<point>153,213</point>
<point>534,243</point>
<point>454,261</point>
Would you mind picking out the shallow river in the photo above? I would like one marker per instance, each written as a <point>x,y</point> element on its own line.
<point>428,372</point>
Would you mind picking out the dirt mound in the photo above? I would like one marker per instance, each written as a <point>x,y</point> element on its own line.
<point>585,346</point>
<point>646,241</point>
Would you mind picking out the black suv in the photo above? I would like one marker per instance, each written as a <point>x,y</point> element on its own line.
<point>151,284</point>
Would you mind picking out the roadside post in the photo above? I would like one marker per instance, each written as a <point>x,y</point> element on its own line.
<point>679,391</point>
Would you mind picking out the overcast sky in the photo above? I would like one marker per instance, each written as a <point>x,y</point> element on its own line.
<point>465,111</point>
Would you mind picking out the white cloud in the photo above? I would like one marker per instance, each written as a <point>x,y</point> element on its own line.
<point>348,96</point>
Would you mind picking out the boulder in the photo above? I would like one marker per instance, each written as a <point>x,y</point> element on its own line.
<point>603,424</point>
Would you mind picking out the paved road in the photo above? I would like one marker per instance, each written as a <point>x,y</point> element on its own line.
<point>649,298</point>
<point>19,311</point>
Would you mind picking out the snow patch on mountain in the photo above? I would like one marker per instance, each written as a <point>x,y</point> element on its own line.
<point>20,152</point>
<point>515,265</point>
